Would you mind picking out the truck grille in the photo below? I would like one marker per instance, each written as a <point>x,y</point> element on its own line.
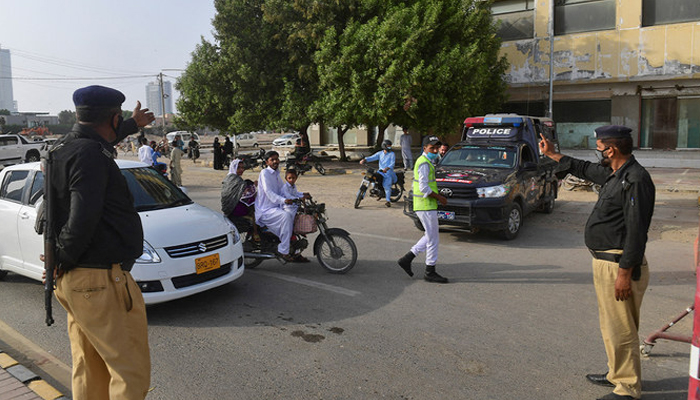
<point>196,248</point>
<point>458,192</point>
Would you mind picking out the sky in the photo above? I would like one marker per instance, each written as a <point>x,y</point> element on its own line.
<point>122,44</point>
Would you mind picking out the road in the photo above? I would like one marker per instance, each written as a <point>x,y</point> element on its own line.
<point>518,320</point>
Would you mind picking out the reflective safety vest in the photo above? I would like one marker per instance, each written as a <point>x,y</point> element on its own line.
<point>421,203</point>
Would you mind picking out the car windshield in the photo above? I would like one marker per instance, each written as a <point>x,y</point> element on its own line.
<point>479,157</point>
<point>152,191</point>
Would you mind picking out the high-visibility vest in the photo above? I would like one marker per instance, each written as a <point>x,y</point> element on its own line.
<point>421,203</point>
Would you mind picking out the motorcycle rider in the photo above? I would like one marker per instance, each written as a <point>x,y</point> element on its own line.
<point>387,161</point>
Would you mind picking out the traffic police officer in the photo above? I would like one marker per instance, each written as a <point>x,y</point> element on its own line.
<point>99,235</point>
<point>616,235</point>
<point>425,203</point>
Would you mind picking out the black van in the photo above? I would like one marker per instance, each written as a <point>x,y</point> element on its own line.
<point>495,175</point>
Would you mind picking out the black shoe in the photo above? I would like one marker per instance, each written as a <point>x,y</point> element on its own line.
<point>615,396</point>
<point>405,262</point>
<point>600,380</point>
<point>388,204</point>
<point>434,277</point>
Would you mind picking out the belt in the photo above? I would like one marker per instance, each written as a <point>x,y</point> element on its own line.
<point>125,265</point>
<point>601,255</point>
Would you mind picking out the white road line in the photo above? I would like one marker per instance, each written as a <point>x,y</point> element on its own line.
<point>301,281</point>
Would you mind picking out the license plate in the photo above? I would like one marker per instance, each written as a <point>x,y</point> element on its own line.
<point>207,263</point>
<point>446,215</point>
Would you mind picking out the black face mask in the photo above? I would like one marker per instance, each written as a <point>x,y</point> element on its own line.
<point>602,158</point>
<point>117,129</point>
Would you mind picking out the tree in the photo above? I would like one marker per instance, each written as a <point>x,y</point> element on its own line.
<point>66,117</point>
<point>4,111</point>
<point>3,122</point>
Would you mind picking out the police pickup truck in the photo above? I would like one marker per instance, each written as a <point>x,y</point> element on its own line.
<point>495,175</point>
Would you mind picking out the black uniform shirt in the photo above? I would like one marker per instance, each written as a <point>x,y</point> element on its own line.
<point>622,215</point>
<point>95,217</point>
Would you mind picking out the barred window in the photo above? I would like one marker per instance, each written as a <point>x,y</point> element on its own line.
<point>571,16</point>
<point>516,18</point>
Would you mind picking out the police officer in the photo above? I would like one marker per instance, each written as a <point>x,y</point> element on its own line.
<point>425,203</point>
<point>99,235</point>
<point>616,235</point>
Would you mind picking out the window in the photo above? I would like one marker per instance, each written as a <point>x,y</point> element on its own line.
<point>37,189</point>
<point>582,111</point>
<point>8,141</point>
<point>572,16</point>
<point>516,17</point>
<point>659,12</point>
<point>13,185</point>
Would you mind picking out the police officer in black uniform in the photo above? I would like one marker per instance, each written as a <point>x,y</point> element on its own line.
<point>616,235</point>
<point>99,235</point>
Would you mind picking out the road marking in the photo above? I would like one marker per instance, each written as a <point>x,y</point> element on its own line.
<point>408,241</point>
<point>306,282</point>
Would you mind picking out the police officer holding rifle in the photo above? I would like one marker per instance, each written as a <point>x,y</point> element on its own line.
<point>98,235</point>
<point>616,235</point>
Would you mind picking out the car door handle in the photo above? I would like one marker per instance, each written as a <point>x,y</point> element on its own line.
<point>24,215</point>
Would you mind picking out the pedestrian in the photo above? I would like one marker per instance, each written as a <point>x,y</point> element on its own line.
<point>218,152</point>
<point>99,235</point>
<point>145,152</point>
<point>425,204</point>
<point>193,148</point>
<point>228,150</point>
<point>387,161</point>
<point>442,151</point>
<point>175,159</point>
<point>405,142</point>
<point>616,236</point>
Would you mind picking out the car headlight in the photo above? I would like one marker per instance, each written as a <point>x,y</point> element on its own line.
<point>149,255</point>
<point>492,191</point>
<point>234,231</point>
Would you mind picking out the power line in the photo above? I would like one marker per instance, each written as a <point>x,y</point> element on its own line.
<point>27,78</point>
<point>66,63</point>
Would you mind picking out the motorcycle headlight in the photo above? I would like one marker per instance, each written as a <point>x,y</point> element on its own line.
<point>149,255</point>
<point>234,231</point>
<point>492,191</point>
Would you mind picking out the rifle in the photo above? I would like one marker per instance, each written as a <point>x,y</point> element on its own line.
<point>49,238</point>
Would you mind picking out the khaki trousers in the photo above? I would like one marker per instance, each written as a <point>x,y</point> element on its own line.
<point>108,333</point>
<point>619,326</point>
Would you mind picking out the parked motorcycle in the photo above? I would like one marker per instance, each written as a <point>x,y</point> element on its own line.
<point>305,162</point>
<point>252,160</point>
<point>372,182</point>
<point>570,182</point>
<point>333,247</point>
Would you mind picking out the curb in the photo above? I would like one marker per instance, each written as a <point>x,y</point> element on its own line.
<point>28,378</point>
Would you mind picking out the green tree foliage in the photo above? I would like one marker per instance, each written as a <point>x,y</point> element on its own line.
<point>424,64</point>
<point>4,111</point>
<point>66,117</point>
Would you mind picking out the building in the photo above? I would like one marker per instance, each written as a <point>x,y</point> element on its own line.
<point>6,96</point>
<point>153,98</point>
<point>630,62</point>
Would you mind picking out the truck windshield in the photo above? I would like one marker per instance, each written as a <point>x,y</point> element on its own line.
<point>479,157</point>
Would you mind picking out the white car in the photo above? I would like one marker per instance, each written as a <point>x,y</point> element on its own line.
<point>289,139</point>
<point>246,140</point>
<point>187,247</point>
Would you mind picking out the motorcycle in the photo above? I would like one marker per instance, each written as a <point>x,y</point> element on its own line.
<point>305,163</point>
<point>570,182</point>
<point>333,247</point>
<point>251,161</point>
<point>372,182</point>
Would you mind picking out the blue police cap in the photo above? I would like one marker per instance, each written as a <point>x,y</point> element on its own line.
<point>431,140</point>
<point>612,132</point>
<point>97,97</point>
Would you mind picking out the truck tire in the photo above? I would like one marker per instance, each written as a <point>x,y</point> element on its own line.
<point>514,221</point>
<point>548,206</point>
<point>32,156</point>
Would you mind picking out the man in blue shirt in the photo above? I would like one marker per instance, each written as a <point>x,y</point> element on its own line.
<point>387,160</point>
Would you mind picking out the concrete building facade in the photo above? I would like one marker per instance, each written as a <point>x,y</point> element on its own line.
<point>631,62</point>
<point>153,98</point>
<point>6,96</point>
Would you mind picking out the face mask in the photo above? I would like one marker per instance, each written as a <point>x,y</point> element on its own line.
<point>600,154</point>
<point>118,128</point>
<point>431,156</point>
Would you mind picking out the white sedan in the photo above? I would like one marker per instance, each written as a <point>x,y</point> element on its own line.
<point>187,247</point>
<point>289,139</point>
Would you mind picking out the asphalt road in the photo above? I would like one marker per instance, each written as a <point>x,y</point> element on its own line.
<point>518,319</point>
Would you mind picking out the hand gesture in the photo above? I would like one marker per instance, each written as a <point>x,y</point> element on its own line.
<point>546,147</point>
<point>362,161</point>
<point>142,117</point>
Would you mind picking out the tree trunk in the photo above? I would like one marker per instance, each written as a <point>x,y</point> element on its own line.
<point>380,136</point>
<point>341,142</point>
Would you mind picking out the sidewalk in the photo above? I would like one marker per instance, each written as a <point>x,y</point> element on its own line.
<point>19,383</point>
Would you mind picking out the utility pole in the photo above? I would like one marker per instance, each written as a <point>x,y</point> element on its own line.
<point>550,114</point>
<point>162,99</point>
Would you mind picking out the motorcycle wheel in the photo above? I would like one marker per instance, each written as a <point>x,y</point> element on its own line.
<point>250,263</point>
<point>596,188</point>
<point>360,195</point>
<point>567,183</point>
<point>320,168</point>
<point>338,254</point>
<point>396,193</point>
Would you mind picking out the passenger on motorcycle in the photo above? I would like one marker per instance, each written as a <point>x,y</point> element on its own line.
<point>269,205</point>
<point>387,160</point>
<point>290,190</point>
<point>238,199</point>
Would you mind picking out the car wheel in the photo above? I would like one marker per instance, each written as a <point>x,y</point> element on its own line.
<point>3,274</point>
<point>289,143</point>
<point>514,221</point>
<point>32,157</point>
<point>255,145</point>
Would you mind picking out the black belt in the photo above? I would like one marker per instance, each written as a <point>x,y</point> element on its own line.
<point>125,265</point>
<point>601,255</point>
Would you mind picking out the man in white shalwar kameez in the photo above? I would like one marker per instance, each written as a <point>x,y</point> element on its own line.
<point>269,204</point>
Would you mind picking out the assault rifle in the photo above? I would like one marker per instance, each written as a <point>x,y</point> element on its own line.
<point>49,238</point>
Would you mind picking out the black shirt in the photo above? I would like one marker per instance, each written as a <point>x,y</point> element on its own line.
<point>621,217</point>
<point>96,222</point>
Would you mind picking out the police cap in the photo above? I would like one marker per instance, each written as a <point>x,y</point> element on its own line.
<point>612,132</point>
<point>431,140</point>
<point>93,97</point>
